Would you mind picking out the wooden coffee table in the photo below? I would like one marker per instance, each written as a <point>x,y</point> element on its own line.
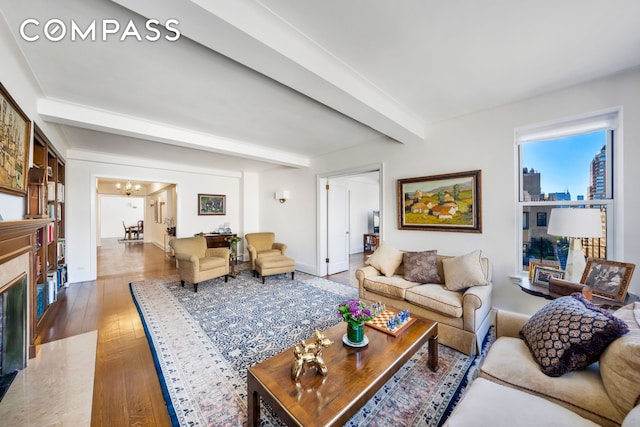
<point>354,376</point>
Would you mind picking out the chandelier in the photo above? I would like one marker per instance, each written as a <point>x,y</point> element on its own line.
<point>128,189</point>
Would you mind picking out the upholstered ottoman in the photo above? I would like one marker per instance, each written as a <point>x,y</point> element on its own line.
<point>276,264</point>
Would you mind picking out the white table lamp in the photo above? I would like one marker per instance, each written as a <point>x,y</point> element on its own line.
<point>576,223</point>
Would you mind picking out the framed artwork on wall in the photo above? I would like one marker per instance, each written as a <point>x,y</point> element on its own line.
<point>609,279</point>
<point>212,204</point>
<point>449,202</point>
<point>15,133</point>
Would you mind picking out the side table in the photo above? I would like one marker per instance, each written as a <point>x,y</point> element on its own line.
<point>233,261</point>
<point>606,303</point>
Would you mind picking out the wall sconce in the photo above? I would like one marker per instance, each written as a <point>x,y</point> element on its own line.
<point>282,196</point>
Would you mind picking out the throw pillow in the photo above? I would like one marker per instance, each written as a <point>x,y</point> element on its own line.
<point>570,333</point>
<point>421,267</point>
<point>463,272</point>
<point>386,259</point>
<point>620,362</point>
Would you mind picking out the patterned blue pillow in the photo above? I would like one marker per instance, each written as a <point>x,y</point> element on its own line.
<point>570,333</point>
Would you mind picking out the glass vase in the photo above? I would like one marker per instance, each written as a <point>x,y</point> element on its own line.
<point>355,334</point>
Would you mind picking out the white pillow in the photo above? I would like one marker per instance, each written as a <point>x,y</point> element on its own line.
<point>386,259</point>
<point>463,271</point>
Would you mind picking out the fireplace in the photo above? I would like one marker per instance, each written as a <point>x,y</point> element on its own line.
<point>13,330</point>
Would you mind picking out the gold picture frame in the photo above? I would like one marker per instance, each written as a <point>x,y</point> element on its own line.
<point>609,279</point>
<point>447,202</point>
<point>542,262</point>
<point>542,274</point>
<point>15,137</point>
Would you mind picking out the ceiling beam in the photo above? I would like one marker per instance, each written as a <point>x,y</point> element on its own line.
<point>252,35</point>
<point>106,121</point>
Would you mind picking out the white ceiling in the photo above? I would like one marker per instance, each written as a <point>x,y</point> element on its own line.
<point>253,84</point>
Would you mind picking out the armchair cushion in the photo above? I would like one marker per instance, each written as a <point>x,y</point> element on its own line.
<point>386,259</point>
<point>570,333</point>
<point>464,271</point>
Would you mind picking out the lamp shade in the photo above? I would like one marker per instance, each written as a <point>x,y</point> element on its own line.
<point>575,222</point>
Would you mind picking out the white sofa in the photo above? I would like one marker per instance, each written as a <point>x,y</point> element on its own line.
<point>512,389</point>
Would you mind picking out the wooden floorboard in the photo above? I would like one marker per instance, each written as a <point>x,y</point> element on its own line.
<point>126,390</point>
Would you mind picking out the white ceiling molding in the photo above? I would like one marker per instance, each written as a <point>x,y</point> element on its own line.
<point>252,35</point>
<point>110,122</point>
<point>91,156</point>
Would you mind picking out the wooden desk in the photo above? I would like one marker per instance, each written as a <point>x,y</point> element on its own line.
<point>216,240</point>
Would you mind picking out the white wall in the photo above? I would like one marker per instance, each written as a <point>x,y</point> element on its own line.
<point>82,212</point>
<point>485,141</point>
<point>364,198</point>
<point>114,210</point>
<point>16,77</point>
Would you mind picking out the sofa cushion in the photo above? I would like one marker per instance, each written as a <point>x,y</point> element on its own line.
<point>386,259</point>
<point>421,267</point>
<point>489,404</point>
<point>392,287</point>
<point>436,298</point>
<point>570,333</point>
<point>509,362</point>
<point>464,271</point>
<point>620,362</point>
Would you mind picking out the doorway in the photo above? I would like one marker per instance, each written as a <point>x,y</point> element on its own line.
<point>346,205</point>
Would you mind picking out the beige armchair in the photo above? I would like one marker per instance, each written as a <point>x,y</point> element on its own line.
<point>261,245</point>
<point>196,262</point>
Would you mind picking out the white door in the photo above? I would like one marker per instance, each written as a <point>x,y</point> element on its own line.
<point>337,227</point>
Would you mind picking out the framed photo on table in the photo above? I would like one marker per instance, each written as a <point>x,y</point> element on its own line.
<point>212,204</point>
<point>542,275</point>
<point>448,202</point>
<point>15,135</point>
<point>542,262</point>
<point>609,279</point>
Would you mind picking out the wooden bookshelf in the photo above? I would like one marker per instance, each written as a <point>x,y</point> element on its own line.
<point>45,200</point>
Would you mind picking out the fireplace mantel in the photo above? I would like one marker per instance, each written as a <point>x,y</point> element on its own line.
<point>17,238</point>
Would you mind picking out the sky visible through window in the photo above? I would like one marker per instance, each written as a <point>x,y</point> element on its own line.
<point>564,163</point>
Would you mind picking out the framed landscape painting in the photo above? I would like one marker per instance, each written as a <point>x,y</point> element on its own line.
<point>211,204</point>
<point>15,131</point>
<point>449,202</point>
<point>609,279</point>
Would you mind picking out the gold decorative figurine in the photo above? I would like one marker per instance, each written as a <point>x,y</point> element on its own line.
<point>311,354</point>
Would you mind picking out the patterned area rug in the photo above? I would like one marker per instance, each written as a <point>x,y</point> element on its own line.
<point>204,342</point>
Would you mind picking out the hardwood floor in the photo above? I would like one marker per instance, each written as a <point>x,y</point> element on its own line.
<point>349,277</point>
<point>126,387</point>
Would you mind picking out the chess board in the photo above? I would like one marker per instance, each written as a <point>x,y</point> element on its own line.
<point>380,323</point>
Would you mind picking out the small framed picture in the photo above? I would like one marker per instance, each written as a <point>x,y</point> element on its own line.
<point>212,204</point>
<point>609,279</point>
<point>542,275</point>
<point>542,262</point>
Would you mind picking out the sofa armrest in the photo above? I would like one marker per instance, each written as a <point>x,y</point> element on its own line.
<point>280,246</point>
<point>476,305</point>
<point>363,273</point>
<point>509,324</point>
<point>218,253</point>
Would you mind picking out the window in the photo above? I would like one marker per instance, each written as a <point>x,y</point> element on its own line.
<point>568,164</point>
